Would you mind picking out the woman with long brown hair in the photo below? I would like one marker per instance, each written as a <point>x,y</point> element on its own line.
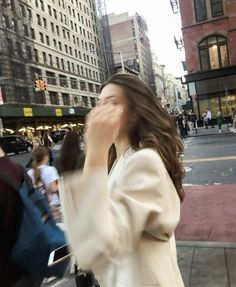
<point>121,212</point>
<point>71,157</point>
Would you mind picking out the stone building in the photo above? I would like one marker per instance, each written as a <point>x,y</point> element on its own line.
<point>51,42</point>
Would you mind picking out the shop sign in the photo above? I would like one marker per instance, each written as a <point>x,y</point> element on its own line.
<point>28,112</point>
<point>58,112</point>
<point>71,111</point>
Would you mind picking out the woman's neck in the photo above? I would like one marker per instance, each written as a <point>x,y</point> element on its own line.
<point>121,146</point>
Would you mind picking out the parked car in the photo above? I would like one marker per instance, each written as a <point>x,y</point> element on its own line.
<point>15,144</point>
<point>58,135</point>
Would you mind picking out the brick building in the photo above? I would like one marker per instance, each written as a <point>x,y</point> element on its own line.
<point>209,34</point>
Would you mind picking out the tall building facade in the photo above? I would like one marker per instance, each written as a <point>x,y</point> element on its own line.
<point>209,34</point>
<point>52,43</point>
<point>129,36</point>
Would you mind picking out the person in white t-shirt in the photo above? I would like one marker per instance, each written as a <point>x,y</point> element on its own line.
<point>44,175</point>
<point>208,119</point>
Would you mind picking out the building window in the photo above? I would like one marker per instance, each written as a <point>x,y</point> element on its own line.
<point>74,84</point>
<point>217,8</point>
<point>63,81</point>
<point>14,25</point>
<point>90,87</point>
<point>51,79</point>
<point>7,4</point>
<point>10,46</point>
<point>19,49</point>
<point>22,94</point>
<point>32,33</point>
<point>42,5</point>
<point>5,21</point>
<point>26,32</point>
<point>38,20</point>
<point>53,98</point>
<point>36,55</point>
<point>213,52</point>
<point>200,10</point>
<point>52,27</point>
<point>45,23</point>
<point>82,86</point>
<point>29,53</point>
<point>58,30</point>
<point>22,10</point>
<point>44,58</point>
<point>65,99</point>
<point>85,101</point>
<point>41,37</point>
<point>50,60</point>
<point>47,40</point>
<point>30,14</point>
<point>93,102</point>
<point>55,13</point>
<point>19,71</point>
<point>49,10</point>
<point>62,64</point>
<point>57,62</point>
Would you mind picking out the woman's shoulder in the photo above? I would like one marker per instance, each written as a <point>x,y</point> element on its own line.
<point>144,156</point>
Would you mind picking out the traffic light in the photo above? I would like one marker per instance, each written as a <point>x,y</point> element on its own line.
<point>42,86</point>
<point>37,85</point>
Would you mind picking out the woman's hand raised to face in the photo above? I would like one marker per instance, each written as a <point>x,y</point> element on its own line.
<point>102,127</point>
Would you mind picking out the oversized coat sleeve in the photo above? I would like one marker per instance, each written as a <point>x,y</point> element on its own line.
<point>105,225</point>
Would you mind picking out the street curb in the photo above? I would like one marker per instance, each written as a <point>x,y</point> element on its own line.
<point>212,134</point>
<point>206,244</point>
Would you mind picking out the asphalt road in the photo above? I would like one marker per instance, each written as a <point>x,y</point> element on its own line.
<point>210,159</point>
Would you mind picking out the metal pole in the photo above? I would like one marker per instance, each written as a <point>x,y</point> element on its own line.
<point>122,62</point>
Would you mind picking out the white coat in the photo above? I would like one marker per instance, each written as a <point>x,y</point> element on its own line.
<point>122,226</point>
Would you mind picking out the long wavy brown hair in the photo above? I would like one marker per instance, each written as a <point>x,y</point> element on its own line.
<point>153,127</point>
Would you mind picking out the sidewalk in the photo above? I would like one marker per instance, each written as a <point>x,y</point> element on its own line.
<point>202,131</point>
<point>207,264</point>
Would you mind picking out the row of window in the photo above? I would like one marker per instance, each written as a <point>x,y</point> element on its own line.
<point>73,83</point>
<point>61,3</point>
<point>201,11</point>
<point>42,21</point>
<point>48,59</point>
<point>67,101</point>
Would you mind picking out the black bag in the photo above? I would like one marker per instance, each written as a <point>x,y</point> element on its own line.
<point>85,279</point>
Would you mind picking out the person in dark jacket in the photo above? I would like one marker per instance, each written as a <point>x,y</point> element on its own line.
<point>10,214</point>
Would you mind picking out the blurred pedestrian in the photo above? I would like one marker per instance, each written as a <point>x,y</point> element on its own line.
<point>47,142</point>
<point>231,114</point>
<point>121,212</point>
<point>45,176</point>
<point>36,141</point>
<point>71,156</point>
<point>10,214</point>
<point>234,121</point>
<point>219,120</point>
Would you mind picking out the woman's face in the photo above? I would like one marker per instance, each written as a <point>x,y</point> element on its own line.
<point>115,96</point>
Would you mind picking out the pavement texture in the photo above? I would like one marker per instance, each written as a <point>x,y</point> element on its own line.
<point>208,213</point>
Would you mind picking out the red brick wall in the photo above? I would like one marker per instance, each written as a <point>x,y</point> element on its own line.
<point>194,32</point>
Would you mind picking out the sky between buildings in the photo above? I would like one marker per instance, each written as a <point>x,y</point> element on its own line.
<point>163,25</point>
